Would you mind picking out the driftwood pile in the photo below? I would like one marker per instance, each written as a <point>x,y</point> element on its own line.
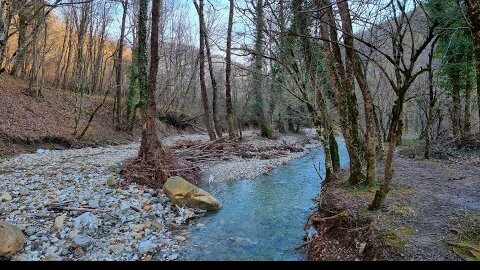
<point>221,149</point>
<point>186,157</point>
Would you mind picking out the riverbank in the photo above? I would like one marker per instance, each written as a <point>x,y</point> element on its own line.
<point>431,213</point>
<point>69,206</point>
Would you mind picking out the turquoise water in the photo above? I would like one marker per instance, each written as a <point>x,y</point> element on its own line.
<point>263,218</point>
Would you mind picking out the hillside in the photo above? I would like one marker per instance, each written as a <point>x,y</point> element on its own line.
<point>27,123</point>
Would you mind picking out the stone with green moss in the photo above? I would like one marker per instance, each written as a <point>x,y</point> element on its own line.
<point>181,192</point>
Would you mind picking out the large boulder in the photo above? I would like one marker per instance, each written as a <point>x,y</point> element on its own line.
<point>11,239</point>
<point>181,192</point>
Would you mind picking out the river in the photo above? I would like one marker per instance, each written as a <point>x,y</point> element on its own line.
<point>261,218</point>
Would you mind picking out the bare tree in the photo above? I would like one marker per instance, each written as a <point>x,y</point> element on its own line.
<point>204,36</point>
<point>151,149</point>
<point>203,87</point>
<point>407,44</point>
<point>228,73</point>
<point>119,68</point>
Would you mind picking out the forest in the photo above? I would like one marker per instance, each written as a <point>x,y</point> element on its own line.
<point>233,130</point>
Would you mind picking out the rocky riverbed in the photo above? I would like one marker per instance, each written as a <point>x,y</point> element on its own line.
<point>68,204</point>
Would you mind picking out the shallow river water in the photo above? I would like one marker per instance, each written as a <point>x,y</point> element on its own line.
<point>263,218</point>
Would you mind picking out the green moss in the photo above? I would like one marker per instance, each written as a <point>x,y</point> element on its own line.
<point>395,242</point>
<point>409,142</point>
<point>405,231</point>
<point>362,187</point>
<point>402,210</point>
<point>470,227</point>
<point>401,191</point>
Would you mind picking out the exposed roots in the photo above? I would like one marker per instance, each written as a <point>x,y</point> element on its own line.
<point>343,233</point>
<point>156,170</point>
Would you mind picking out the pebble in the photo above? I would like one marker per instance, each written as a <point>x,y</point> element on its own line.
<point>172,257</point>
<point>82,240</point>
<point>145,246</point>
<point>117,249</point>
<point>136,227</point>
<point>87,222</point>
<point>180,238</point>
<point>59,221</point>
<point>94,203</point>
<point>124,206</point>
<point>78,251</point>
<point>6,197</point>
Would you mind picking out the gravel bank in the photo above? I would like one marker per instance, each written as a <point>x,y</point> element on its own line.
<point>110,223</point>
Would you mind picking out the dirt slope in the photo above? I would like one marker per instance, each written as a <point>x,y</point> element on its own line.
<point>49,118</point>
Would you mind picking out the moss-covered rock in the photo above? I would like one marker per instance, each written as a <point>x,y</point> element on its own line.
<point>181,192</point>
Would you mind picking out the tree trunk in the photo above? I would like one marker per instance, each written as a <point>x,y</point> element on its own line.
<point>142,56</point>
<point>466,112</point>
<point>79,83</point>
<point>473,13</point>
<point>22,25</point>
<point>265,128</point>
<point>5,19</point>
<point>379,132</point>
<point>232,134</point>
<point>456,126</point>
<point>203,27</point>
<point>477,67</point>
<point>67,62</point>
<point>343,97</point>
<point>58,73</point>
<point>394,131</point>
<point>318,113</point>
<point>431,104</point>
<point>354,59</point>
<point>333,148</point>
<point>203,87</point>
<point>151,149</point>
<point>119,70</point>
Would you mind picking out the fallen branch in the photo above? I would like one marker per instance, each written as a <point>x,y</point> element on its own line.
<point>339,215</point>
<point>136,209</point>
<point>304,244</point>
<point>67,208</point>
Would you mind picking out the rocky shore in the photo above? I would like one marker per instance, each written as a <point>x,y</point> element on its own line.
<point>69,207</point>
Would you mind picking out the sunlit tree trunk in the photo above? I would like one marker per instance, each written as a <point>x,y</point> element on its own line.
<point>5,19</point>
<point>119,69</point>
<point>151,149</point>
